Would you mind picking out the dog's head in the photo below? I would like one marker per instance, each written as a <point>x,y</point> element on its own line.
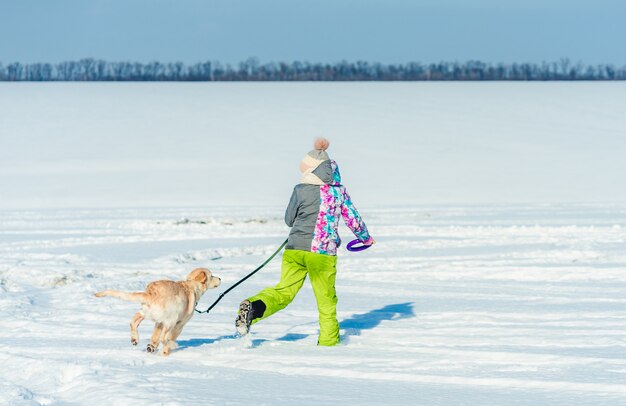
<point>205,278</point>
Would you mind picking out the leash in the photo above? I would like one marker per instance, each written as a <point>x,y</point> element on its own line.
<point>244,279</point>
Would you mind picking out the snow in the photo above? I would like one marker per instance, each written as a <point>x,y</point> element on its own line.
<point>455,305</point>
<point>498,277</point>
<point>192,144</point>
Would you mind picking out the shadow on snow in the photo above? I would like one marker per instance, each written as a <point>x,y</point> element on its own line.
<point>353,326</point>
<point>366,321</point>
<point>197,342</point>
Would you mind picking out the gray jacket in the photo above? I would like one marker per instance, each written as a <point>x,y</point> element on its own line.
<point>314,210</point>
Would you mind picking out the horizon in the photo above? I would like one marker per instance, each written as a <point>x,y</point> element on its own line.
<point>253,70</point>
<point>257,60</point>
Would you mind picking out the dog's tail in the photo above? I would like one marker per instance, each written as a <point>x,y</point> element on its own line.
<point>140,297</point>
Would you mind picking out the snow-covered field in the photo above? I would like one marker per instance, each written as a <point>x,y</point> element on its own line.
<point>192,144</point>
<point>498,277</point>
<point>518,304</point>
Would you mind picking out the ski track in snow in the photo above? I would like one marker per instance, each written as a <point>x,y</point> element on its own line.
<point>454,305</point>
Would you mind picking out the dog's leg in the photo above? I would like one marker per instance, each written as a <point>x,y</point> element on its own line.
<point>156,337</point>
<point>178,328</point>
<point>166,339</point>
<point>134,324</point>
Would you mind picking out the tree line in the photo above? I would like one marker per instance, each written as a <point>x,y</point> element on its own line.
<point>251,70</point>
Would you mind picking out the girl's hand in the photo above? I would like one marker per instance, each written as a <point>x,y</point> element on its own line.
<point>369,241</point>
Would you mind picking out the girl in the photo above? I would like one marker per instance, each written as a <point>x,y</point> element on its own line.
<point>313,214</point>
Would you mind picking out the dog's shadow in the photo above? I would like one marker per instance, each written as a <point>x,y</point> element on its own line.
<point>198,342</point>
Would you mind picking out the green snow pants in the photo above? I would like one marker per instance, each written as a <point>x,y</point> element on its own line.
<point>322,271</point>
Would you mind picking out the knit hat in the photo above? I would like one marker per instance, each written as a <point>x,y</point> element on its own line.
<point>317,155</point>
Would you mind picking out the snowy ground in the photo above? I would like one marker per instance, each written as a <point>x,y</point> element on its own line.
<point>517,302</point>
<point>471,305</point>
<point>192,144</point>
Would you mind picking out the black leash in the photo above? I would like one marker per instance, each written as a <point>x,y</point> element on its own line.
<point>241,281</point>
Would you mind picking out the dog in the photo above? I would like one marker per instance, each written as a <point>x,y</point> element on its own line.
<point>169,304</point>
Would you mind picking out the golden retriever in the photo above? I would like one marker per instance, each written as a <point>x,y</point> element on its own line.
<point>169,304</point>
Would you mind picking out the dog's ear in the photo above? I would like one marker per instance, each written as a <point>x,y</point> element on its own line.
<point>200,275</point>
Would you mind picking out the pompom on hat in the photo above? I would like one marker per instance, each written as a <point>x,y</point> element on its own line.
<point>317,155</point>
<point>321,144</point>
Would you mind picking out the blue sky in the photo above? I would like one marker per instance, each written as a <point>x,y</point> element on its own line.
<point>389,31</point>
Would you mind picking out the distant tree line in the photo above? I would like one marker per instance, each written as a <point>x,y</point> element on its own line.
<point>252,70</point>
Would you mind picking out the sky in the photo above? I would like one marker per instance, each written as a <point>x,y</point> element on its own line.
<point>387,31</point>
